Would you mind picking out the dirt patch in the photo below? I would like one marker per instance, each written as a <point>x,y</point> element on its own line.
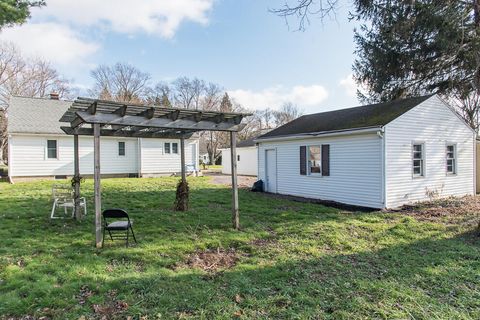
<point>113,309</point>
<point>242,181</point>
<point>450,209</point>
<point>213,259</point>
<point>263,242</point>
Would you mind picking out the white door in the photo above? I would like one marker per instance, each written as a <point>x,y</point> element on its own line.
<point>271,171</point>
<point>194,155</point>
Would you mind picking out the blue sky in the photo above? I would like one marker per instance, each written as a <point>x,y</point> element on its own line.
<point>237,44</point>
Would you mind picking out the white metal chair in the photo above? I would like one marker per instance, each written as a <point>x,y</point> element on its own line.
<point>63,197</point>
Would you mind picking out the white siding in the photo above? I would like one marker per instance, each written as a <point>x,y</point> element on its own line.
<point>355,169</point>
<point>28,156</point>
<point>434,124</point>
<point>155,160</point>
<point>247,165</point>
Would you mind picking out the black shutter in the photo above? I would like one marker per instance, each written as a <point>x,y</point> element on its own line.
<point>303,160</point>
<point>325,159</point>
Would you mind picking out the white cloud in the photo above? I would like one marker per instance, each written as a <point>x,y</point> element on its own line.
<point>274,97</point>
<point>350,86</point>
<point>159,17</point>
<point>57,43</point>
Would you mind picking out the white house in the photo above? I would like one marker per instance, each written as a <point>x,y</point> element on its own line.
<point>247,159</point>
<point>37,147</point>
<point>379,156</point>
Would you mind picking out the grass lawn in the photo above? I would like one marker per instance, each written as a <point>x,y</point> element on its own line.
<point>290,260</point>
<point>212,166</point>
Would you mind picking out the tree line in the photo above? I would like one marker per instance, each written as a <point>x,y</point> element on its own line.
<point>20,76</point>
<point>126,83</point>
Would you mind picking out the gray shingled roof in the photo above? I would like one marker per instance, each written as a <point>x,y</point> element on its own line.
<point>374,115</point>
<point>35,115</point>
<point>246,143</point>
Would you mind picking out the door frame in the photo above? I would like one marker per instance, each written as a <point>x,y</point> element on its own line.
<point>276,168</point>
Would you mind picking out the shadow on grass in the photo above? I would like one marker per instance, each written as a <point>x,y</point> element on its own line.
<point>430,278</point>
<point>324,263</point>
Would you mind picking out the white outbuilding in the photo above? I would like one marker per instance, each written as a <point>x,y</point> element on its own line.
<point>380,156</point>
<point>247,159</point>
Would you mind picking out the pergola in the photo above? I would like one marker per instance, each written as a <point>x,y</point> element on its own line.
<point>94,117</point>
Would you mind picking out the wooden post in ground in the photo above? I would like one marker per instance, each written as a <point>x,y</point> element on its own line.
<point>233,156</point>
<point>76,177</point>
<point>96,177</point>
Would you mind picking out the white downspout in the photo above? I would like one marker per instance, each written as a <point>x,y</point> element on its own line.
<point>475,146</point>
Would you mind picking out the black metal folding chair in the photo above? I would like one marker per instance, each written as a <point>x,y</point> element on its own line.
<point>119,229</point>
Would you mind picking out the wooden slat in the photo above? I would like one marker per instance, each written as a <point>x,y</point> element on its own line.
<point>168,134</point>
<point>181,124</point>
<point>121,111</point>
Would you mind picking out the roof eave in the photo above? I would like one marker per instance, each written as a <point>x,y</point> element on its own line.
<point>310,135</point>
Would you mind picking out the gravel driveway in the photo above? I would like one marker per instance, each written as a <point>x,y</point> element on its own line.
<point>243,181</point>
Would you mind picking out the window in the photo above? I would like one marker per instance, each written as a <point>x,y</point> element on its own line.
<point>418,160</point>
<point>451,159</point>
<point>174,147</point>
<point>121,148</point>
<point>167,147</point>
<point>52,151</point>
<point>314,160</point>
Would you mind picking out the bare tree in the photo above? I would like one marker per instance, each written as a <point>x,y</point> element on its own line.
<point>287,113</point>
<point>188,92</point>
<point>468,107</point>
<point>22,77</point>
<point>120,82</point>
<point>301,10</point>
<point>161,95</point>
<point>211,102</point>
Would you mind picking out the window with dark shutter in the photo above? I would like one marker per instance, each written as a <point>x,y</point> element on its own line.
<point>325,159</point>
<point>303,160</point>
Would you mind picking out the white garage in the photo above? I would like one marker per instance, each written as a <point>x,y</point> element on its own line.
<point>247,159</point>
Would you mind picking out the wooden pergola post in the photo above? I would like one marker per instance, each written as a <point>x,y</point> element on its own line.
<point>96,178</point>
<point>76,177</point>
<point>233,156</point>
<point>182,159</point>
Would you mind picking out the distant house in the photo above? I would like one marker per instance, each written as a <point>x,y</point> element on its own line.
<point>37,147</point>
<point>246,159</point>
<point>204,158</point>
<point>380,156</point>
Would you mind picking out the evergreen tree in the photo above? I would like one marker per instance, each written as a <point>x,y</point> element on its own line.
<point>16,11</point>
<point>414,47</point>
<point>165,101</point>
<point>226,104</point>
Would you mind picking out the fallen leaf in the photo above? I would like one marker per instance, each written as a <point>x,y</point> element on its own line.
<point>238,298</point>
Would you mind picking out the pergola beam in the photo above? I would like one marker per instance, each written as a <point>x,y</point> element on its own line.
<point>180,124</point>
<point>127,133</point>
<point>93,108</point>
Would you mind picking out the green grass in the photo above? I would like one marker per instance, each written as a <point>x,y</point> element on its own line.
<point>315,262</point>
